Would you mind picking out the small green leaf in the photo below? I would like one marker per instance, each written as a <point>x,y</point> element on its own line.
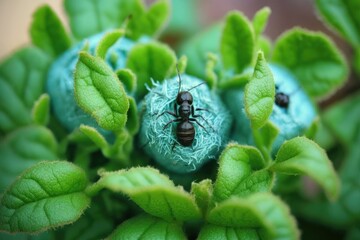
<point>237,175</point>
<point>128,78</point>
<point>149,23</point>
<point>210,231</point>
<point>152,191</point>
<point>260,94</point>
<point>260,20</point>
<point>313,128</point>
<point>313,58</point>
<point>133,123</point>
<point>48,33</point>
<point>343,16</point>
<point>88,17</point>
<point>267,135</point>
<point>22,82</point>
<point>41,110</point>
<point>48,195</point>
<point>148,227</point>
<point>150,61</point>
<point>236,81</point>
<point>99,92</point>
<point>107,41</point>
<point>94,135</point>
<point>237,42</point>
<point>261,211</point>
<point>23,148</point>
<point>303,156</point>
<point>211,76</point>
<point>182,64</point>
<point>203,192</point>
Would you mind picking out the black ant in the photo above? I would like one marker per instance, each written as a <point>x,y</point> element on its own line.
<point>281,99</point>
<point>185,115</point>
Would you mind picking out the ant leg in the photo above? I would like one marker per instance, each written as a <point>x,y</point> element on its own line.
<point>195,120</point>
<point>195,116</point>
<point>174,120</point>
<point>168,112</point>
<point>202,109</point>
<point>171,113</point>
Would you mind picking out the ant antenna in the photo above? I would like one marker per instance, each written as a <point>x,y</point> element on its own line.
<point>195,86</point>
<point>178,72</point>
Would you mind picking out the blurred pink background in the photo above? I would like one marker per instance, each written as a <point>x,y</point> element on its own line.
<point>15,17</point>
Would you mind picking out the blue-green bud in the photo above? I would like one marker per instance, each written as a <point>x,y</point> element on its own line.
<point>292,120</point>
<point>60,81</point>
<point>163,145</point>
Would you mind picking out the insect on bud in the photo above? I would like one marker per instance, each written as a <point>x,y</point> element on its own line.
<point>184,124</point>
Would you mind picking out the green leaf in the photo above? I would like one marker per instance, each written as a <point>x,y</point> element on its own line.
<point>150,61</point>
<point>94,135</point>
<point>313,128</point>
<point>148,227</point>
<point>210,231</point>
<point>41,110</point>
<point>261,211</point>
<point>23,148</point>
<point>99,92</point>
<point>21,83</point>
<point>211,76</point>
<point>88,17</point>
<point>303,156</point>
<point>48,33</point>
<point>121,149</point>
<point>48,195</point>
<point>313,58</point>
<point>203,192</point>
<point>343,16</point>
<point>149,23</point>
<point>345,211</point>
<point>260,94</point>
<point>266,135</point>
<point>260,20</point>
<point>236,81</point>
<point>152,191</point>
<point>107,41</point>
<point>237,43</point>
<point>238,175</point>
<point>344,128</point>
<point>128,78</point>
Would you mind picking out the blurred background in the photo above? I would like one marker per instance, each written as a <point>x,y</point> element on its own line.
<point>15,17</point>
<point>189,17</point>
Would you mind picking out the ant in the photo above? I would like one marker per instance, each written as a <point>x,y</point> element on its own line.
<point>185,115</point>
<point>281,99</point>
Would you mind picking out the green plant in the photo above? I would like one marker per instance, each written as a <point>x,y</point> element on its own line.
<point>105,167</point>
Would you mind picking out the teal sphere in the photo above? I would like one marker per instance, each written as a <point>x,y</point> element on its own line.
<point>292,120</point>
<point>163,145</point>
<point>60,82</point>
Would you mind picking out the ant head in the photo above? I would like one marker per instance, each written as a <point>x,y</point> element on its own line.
<point>184,97</point>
